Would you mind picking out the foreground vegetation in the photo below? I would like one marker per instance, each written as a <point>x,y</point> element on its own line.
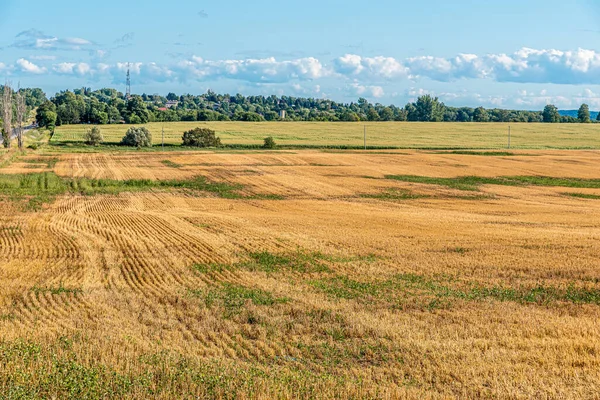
<point>304,274</point>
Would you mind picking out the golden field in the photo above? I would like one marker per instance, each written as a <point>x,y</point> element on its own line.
<point>380,134</point>
<point>306,274</point>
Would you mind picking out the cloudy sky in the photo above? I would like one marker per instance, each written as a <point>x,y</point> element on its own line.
<point>518,54</point>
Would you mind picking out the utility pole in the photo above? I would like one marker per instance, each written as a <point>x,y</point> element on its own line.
<point>163,138</point>
<point>365,137</point>
<point>509,136</point>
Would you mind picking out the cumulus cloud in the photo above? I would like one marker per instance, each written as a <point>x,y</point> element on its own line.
<point>580,66</point>
<point>27,66</point>
<point>266,70</point>
<point>370,67</point>
<point>370,91</point>
<point>80,69</point>
<point>369,76</point>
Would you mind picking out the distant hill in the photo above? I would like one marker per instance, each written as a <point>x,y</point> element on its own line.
<point>573,113</point>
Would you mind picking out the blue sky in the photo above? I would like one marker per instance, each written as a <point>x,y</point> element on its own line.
<point>518,54</point>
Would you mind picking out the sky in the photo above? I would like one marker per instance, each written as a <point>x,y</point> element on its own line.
<point>512,54</point>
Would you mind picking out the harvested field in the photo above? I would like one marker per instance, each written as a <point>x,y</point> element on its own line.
<point>305,274</point>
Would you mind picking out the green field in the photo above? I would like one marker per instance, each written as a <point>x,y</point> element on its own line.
<point>380,134</point>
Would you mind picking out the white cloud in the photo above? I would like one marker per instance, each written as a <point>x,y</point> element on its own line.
<point>80,69</point>
<point>369,91</point>
<point>34,39</point>
<point>28,66</point>
<point>355,66</point>
<point>524,66</point>
<point>373,77</point>
<point>266,70</point>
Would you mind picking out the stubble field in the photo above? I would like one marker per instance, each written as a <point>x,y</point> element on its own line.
<point>304,274</point>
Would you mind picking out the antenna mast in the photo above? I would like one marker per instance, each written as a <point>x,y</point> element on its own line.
<point>128,95</point>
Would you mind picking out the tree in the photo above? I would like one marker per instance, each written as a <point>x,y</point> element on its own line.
<point>7,114</point>
<point>550,114</point>
<point>480,115</point>
<point>93,137</point>
<point>598,117</point>
<point>584,114</point>
<point>21,111</point>
<point>269,143</point>
<point>201,137</point>
<point>429,109</point>
<point>249,117</point>
<point>386,114</point>
<point>350,116</point>
<point>372,115</point>
<point>463,116</point>
<point>137,137</point>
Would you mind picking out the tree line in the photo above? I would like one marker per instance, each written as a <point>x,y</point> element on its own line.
<point>14,109</point>
<point>109,106</point>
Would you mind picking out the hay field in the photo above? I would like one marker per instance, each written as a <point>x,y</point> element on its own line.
<point>388,134</point>
<point>304,274</point>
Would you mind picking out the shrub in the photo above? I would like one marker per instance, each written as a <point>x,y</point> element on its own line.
<point>93,137</point>
<point>137,137</point>
<point>248,116</point>
<point>269,143</point>
<point>201,137</point>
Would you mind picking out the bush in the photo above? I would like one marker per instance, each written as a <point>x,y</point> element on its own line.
<point>93,137</point>
<point>269,143</point>
<point>201,137</point>
<point>248,117</point>
<point>137,137</point>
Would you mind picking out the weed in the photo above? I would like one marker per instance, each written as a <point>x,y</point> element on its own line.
<point>232,298</point>
<point>583,195</point>
<point>394,194</point>
<point>171,164</point>
<point>343,287</point>
<point>41,188</point>
<point>472,183</point>
<point>303,262</point>
<point>61,289</point>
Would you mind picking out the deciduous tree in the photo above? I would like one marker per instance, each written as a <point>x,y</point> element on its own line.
<point>550,114</point>
<point>583,115</point>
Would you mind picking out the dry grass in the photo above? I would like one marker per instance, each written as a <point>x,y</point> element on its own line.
<point>332,289</point>
<point>390,134</point>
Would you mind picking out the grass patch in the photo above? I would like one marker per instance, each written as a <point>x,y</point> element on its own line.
<point>49,161</point>
<point>171,164</point>
<point>233,298</point>
<point>302,262</point>
<point>41,188</point>
<point>472,183</point>
<point>211,267</point>
<point>418,286</point>
<point>484,153</point>
<point>56,290</point>
<point>342,287</point>
<point>265,197</point>
<point>394,194</point>
<point>61,370</point>
<point>582,195</point>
